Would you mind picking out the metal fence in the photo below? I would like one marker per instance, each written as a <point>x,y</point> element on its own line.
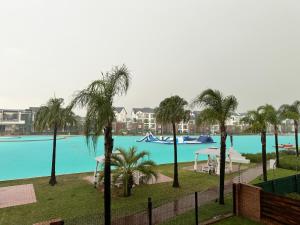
<point>181,211</point>
<point>283,185</point>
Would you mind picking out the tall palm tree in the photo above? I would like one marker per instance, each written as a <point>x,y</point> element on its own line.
<point>217,109</point>
<point>274,117</point>
<point>257,121</point>
<point>54,116</point>
<point>98,98</point>
<point>172,111</point>
<point>127,163</point>
<point>292,112</point>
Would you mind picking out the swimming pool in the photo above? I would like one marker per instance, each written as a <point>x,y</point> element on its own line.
<point>30,156</point>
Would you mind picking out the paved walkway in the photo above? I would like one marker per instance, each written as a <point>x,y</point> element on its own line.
<point>17,195</point>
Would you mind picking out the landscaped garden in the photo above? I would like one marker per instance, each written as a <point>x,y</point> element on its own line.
<point>74,197</point>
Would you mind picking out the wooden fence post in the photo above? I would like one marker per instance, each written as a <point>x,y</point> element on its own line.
<point>149,211</point>
<point>234,198</point>
<point>196,208</point>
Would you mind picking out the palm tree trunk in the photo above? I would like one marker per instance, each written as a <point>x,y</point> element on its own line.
<point>126,186</point>
<point>53,177</point>
<point>264,154</point>
<point>222,163</point>
<point>296,137</point>
<point>107,173</point>
<point>175,181</point>
<point>276,145</point>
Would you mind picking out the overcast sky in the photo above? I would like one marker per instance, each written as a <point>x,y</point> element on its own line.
<point>250,49</point>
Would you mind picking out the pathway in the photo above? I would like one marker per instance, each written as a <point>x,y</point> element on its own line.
<point>17,195</point>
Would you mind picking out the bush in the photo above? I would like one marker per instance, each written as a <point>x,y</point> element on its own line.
<point>257,158</point>
<point>289,162</point>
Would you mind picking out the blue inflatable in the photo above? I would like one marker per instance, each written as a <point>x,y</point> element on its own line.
<point>202,139</point>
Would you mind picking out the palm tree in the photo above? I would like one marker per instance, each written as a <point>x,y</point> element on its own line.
<point>54,116</point>
<point>98,98</point>
<point>172,110</point>
<point>127,164</point>
<point>217,109</point>
<point>257,121</point>
<point>274,117</point>
<point>292,112</point>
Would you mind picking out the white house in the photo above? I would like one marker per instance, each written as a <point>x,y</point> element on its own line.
<point>17,120</point>
<point>145,116</point>
<point>120,114</point>
<point>235,119</point>
<point>183,127</point>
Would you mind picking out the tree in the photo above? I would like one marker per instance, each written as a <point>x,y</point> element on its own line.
<point>292,112</point>
<point>172,110</point>
<point>257,121</point>
<point>127,164</point>
<point>217,109</point>
<point>98,98</point>
<point>274,117</point>
<point>54,116</point>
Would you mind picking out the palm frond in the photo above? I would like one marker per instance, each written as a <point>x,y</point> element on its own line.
<point>172,110</point>
<point>98,99</point>
<point>127,162</point>
<point>291,111</point>
<point>216,107</point>
<point>256,120</point>
<point>207,116</point>
<point>53,114</point>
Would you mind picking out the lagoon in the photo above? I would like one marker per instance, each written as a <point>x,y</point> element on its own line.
<point>30,156</point>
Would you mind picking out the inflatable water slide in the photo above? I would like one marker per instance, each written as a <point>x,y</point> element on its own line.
<point>202,139</point>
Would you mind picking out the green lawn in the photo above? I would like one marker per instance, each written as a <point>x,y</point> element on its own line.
<point>75,197</point>
<point>274,174</point>
<point>237,221</point>
<point>206,212</point>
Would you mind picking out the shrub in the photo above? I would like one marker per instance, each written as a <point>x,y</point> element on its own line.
<point>257,158</point>
<point>289,162</point>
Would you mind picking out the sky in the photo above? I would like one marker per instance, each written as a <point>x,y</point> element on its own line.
<point>250,49</point>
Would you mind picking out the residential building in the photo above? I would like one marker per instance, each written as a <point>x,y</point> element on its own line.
<point>120,123</point>
<point>17,121</point>
<point>144,118</point>
<point>120,114</point>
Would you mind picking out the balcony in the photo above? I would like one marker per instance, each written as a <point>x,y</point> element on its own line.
<point>14,121</point>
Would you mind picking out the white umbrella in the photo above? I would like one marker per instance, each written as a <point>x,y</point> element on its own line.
<point>236,157</point>
<point>208,151</point>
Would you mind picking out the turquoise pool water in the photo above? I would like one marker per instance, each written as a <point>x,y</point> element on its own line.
<point>30,156</point>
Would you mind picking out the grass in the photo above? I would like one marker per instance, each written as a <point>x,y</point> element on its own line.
<point>274,174</point>
<point>206,212</point>
<point>289,162</point>
<point>293,195</point>
<point>257,157</point>
<point>287,159</point>
<point>75,197</point>
<point>237,220</point>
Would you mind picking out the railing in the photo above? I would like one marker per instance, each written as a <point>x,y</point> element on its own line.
<point>153,213</point>
<point>283,185</point>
